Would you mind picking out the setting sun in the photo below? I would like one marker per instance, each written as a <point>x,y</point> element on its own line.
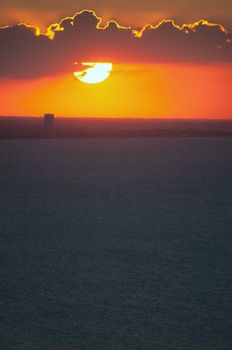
<point>115,174</point>
<point>94,72</point>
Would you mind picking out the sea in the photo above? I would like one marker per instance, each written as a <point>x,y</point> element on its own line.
<point>116,244</point>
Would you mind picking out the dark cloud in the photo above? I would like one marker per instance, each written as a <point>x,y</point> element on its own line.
<point>25,53</point>
<point>133,13</point>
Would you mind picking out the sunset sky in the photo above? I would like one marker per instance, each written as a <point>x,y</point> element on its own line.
<point>171,59</point>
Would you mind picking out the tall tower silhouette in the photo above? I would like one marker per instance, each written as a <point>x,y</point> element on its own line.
<point>49,120</point>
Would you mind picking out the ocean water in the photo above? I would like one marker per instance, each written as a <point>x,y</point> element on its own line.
<point>116,244</point>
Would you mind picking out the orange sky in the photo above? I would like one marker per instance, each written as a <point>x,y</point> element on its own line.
<point>167,91</point>
<point>136,13</point>
<point>165,71</point>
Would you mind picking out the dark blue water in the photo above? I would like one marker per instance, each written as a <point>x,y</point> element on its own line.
<point>116,244</point>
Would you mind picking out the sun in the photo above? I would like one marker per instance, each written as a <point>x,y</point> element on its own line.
<point>95,72</point>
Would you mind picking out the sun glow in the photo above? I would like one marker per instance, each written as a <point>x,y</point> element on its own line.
<point>95,72</point>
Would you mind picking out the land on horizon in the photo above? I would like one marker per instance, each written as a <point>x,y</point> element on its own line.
<point>115,174</point>
<point>34,127</point>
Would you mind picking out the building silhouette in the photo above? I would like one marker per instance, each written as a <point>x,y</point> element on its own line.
<point>49,120</point>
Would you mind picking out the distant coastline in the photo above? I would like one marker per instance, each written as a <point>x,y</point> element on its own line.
<point>34,128</point>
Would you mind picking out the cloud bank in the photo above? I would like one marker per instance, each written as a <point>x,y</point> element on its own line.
<point>136,12</point>
<point>27,53</point>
